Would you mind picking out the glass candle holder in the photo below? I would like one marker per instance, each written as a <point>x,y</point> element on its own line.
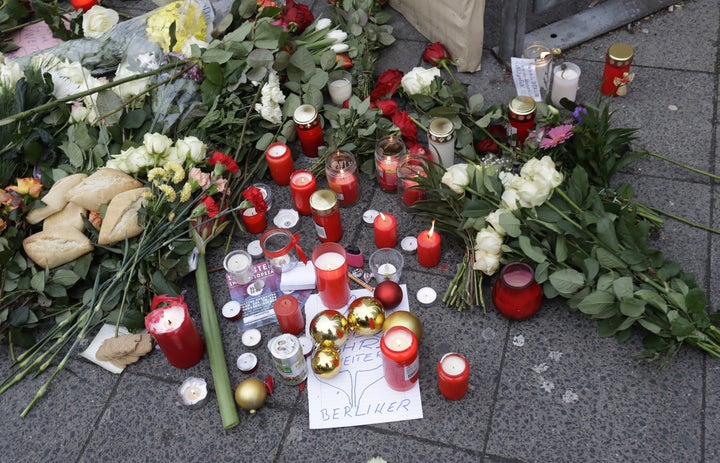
<point>542,61</point>
<point>388,152</point>
<point>238,265</point>
<point>302,186</point>
<point>341,173</point>
<point>566,80</point>
<point>521,118</point>
<point>326,215</point>
<point>616,74</point>
<point>309,130</point>
<point>441,140</point>
<point>401,363</point>
<point>278,245</point>
<point>516,294</point>
<point>339,86</point>
<point>331,275</point>
<point>386,264</point>
<point>410,168</point>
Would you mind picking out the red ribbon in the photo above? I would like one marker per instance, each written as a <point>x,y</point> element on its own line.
<point>301,254</point>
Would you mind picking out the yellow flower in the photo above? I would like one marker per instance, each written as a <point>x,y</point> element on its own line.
<point>27,186</point>
<point>176,170</point>
<point>157,175</point>
<point>185,192</point>
<point>169,192</point>
<point>148,195</point>
<point>189,22</point>
<point>171,216</point>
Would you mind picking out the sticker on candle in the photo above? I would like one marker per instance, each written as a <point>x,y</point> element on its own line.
<point>192,392</point>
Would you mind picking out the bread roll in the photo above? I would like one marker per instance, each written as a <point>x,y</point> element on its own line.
<point>101,187</point>
<point>121,216</point>
<point>57,246</point>
<point>55,198</point>
<point>71,215</point>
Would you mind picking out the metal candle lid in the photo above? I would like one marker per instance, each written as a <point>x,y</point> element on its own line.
<point>441,129</point>
<point>620,53</point>
<point>305,114</point>
<point>323,200</point>
<point>522,105</point>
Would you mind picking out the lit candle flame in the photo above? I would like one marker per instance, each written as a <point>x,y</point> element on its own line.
<point>432,229</point>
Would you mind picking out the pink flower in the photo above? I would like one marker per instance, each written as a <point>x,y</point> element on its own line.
<point>200,177</point>
<point>556,136</point>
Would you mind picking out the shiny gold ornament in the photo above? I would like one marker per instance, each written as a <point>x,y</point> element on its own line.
<point>329,328</point>
<point>406,319</point>
<point>366,315</point>
<point>326,362</point>
<point>250,394</point>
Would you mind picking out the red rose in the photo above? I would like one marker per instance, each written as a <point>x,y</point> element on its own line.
<point>221,158</point>
<point>297,16</point>
<point>488,145</point>
<point>388,107</point>
<point>436,54</point>
<point>387,84</point>
<point>407,127</point>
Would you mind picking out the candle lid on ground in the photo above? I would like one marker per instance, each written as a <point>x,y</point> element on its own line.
<point>369,216</point>
<point>287,218</point>
<point>254,249</point>
<point>232,310</point>
<point>247,362</point>
<point>426,296</point>
<point>409,244</point>
<point>251,338</point>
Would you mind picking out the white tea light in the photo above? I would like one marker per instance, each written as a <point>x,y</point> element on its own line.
<point>192,392</point>
<point>232,310</point>
<point>306,344</point>
<point>426,296</point>
<point>247,362</point>
<point>386,269</point>
<point>254,249</point>
<point>251,338</point>
<point>409,244</point>
<point>369,217</point>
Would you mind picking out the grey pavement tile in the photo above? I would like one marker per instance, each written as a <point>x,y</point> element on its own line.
<point>711,449</point>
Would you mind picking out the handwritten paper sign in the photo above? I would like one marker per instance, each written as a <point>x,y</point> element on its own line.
<point>525,77</point>
<point>359,394</point>
<point>32,38</point>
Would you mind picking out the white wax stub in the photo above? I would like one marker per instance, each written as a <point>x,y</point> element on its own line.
<point>192,392</point>
<point>254,248</point>
<point>426,295</point>
<point>409,244</point>
<point>369,216</point>
<point>247,362</point>
<point>306,344</point>
<point>232,310</point>
<point>251,338</point>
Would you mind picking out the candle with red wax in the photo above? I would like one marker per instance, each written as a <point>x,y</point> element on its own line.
<point>453,376</point>
<point>254,223</point>
<point>428,247</point>
<point>302,186</point>
<point>331,275</point>
<point>84,5</point>
<point>401,363</point>
<point>309,131</point>
<point>516,294</point>
<point>388,152</point>
<point>341,173</point>
<point>288,313</point>
<point>174,331</point>
<point>385,228</point>
<point>280,162</point>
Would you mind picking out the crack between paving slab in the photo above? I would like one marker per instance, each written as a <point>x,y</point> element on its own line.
<point>286,430</point>
<point>96,423</point>
<point>497,388</point>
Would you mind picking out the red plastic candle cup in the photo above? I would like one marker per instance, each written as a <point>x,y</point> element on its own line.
<point>288,313</point>
<point>401,363</point>
<point>331,275</point>
<point>174,331</point>
<point>84,5</point>
<point>388,152</point>
<point>309,131</point>
<point>385,229</point>
<point>428,247</point>
<point>453,376</point>
<point>326,215</point>
<point>280,162</point>
<point>254,223</point>
<point>516,294</point>
<point>341,173</point>
<point>302,186</point>
<point>616,74</point>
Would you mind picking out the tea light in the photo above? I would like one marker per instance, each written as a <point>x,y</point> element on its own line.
<point>251,338</point>
<point>239,265</point>
<point>192,392</point>
<point>369,217</point>
<point>426,296</point>
<point>232,310</point>
<point>247,362</point>
<point>409,244</point>
<point>386,269</point>
<point>306,344</point>
<point>254,249</point>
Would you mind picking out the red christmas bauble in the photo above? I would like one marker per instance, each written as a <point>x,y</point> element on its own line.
<point>389,293</point>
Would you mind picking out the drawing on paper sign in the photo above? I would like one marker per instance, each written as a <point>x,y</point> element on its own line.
<point>359,393</point>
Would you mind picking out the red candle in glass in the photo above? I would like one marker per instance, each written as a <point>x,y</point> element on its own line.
<point>410,167</point>
<point>521,116</point>
<point>302,186</point>
<point>280,162</point>
<point>453,376</point>
<point>616,75</point>
<point>428,247</point>
<point>331,275</point>
<point>288,313</point>
<point>309,131</point>
<point>254,223</point>
<point>174,331</point>
<point>385,228</point>
<point>401,363</point>
<point>388,152</point>
<point>516,294</point>
<point>84,5</point>
<point>326,215</point>
<point>341,173</point>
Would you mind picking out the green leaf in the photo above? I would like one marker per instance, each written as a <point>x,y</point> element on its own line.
<point>591,268</point>
<point>64,277</point>
<point>561,250</point>
<point>530,251</point>
<point>74,154</point>
<point>55,291</point>
<point>650,326</point>
<point>511,224</point>
<point>476,103</point>
<point>567,281</point>
<point>596,302</point>
<point>623,287</point>
<point>260,58</point>
<point>608,260</point>
<point>652,298</point>
<point>541,272</point>
<point>681,327</point>
<point>37,282</point>
<point>631,307</point>
<point>134,119</point>
<point>19,316</point>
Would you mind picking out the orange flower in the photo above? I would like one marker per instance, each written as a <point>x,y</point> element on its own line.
<point>27,186</point>
<point>343,59</point>
<point>95,219</point>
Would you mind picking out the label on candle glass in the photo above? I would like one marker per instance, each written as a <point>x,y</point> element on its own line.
<point>412,370</point>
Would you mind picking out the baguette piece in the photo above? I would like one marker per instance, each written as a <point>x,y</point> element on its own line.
<point>121,216</point>
<point>54,199</point>
<point>101,187</point>
<point>71,215</point>
<point>57,246</point>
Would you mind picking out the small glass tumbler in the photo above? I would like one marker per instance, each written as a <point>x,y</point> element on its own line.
<point>386,264</point>
<point>543,62</point>
<point>339,86</point>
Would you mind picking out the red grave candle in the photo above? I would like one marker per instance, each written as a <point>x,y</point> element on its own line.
<point>309,131</point>
<point>521,118</point>
<point>288,313</point>
<point>341,173</point>
<point>616,74</point>
<point>385,228</point>
<point>428,247</point>
<point>302,186</point>
<point>401,363</point>
<point>280,162</point>
<point>254,223</point>
<point>388,152</point>
<point>453,376</point>
<point>84,5</point>
<point>516,294</point>
<point>326,215</point>
<point>331,275</point>
<point>174,331</point>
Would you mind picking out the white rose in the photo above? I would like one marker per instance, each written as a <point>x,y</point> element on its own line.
<point>79,113</point>
<point>130,90</point>
<point>323,23</point>
<point>493,219</point>
<point>533,194</point>
<point>119,164</point>
<point>337,35</point>
<point>98,20</point>
<point>173,155</point>
<point>509,199</point>
<point>456,177</point>
<point>488,240</point>
<point>90,103</point>
<point>486,263</point>
<point>156,143</point>
<point>192,149</point>
<point>10,73</point>
<point>137,159</point>
<point>418,80</point>
<point>544,171</point>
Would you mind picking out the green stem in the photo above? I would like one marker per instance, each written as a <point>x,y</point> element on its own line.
<point>213,343</point>
<point>683,165</point>
<point>685,221</point>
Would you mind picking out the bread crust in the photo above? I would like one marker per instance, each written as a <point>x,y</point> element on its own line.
<point>57,246</point>
<point>121,216</point>
<point>100,188</point>
<point>55,199</point>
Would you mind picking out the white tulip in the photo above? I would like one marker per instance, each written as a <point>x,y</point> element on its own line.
<point>337,35</point>
<point>340,47</point>
<point>323,23</point>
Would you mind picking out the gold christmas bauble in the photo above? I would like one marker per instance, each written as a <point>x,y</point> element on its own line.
<point>406,319</point>
<point>326,362</point>
<point>250,394</point>
<point>366,315</point>
<point>329,328</point>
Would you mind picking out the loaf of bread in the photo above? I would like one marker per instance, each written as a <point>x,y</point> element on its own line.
<point>56,246</point>
<point>55,198</point>
<point>121,216</point>
<point>71,215</point>
<point>100,187</point>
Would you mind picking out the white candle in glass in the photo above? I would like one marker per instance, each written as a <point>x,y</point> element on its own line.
<point>452,365</point>
<point>386,269</point>
<point>329,261</point>
<point>398,340</point>
<point>339,87</point>
<point>565,84</point>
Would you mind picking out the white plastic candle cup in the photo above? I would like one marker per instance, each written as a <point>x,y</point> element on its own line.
<point>386,264</point>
